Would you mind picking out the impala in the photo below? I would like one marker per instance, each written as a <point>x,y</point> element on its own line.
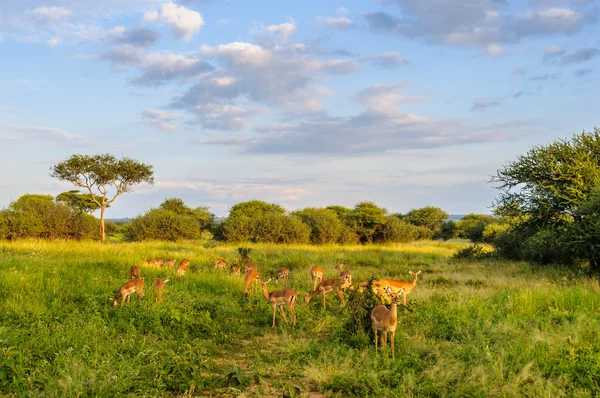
<point>149,262</point>
<point>344,275</point>
<point>327,286</point>
<point>316,273</point>
<point>386,320</point>
<point>170,263</point>
<point>282,274</point>
<point>134,272</point>
<point>251,276</point>
<point>158,284</point>
<point>220,264</point>
<point>235,269</point>
<point>158,262</point>
<point>407,286</point>
<point>278,298</point>
<point>127,289</point>
<point>183,266</point>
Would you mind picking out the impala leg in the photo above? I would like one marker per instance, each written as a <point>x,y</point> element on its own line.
<point>283,313</point>
<point>274,312</point>
<point>323,300</point>
<point>291,308</point>
<point>341,296</point>
<point>393,349</point>
<point>375,332</point>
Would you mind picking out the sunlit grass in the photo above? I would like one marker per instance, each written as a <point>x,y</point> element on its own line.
<point>484,328</point>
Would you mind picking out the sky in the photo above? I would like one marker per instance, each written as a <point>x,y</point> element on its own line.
<point>406,103</point>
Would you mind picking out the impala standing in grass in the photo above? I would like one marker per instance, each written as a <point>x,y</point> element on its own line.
<point>407,287</point>
<point>220,264</point>
<point>251,276</point>
<point>183,267</point>
<point>158,284</point>
<point>327,286</point>
<point>316,273</point>
<point>278,298</point>
<point>127,289</point>
<point>386,320</point>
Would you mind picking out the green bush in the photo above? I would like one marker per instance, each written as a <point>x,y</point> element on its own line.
<point>448,230</point>
<point>473,225</point>
<point>395,230</point>
<point>325,226</point>
<point>281,228</point>
<point>159,224</point>
<point>39,216</point>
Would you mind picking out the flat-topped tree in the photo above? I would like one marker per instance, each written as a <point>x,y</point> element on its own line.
<point>100,173</point>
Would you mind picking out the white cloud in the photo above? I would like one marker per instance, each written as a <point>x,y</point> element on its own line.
<point>279,76</point>
<point>158,114</point>
<point>342,11</point>
<point>158,68</point>
<point>158,119</point>
<point>335,22</point>
<point>184,22</point>
<point>284,29</point>
<point>239,53</point>
<point>494,49</point>
<point>11,134</point>
<point>49,14</point>
<point>53,41</point>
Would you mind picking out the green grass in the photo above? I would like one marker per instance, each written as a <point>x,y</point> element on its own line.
<point>472,329</point>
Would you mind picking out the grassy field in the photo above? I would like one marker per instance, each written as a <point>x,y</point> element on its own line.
<point>472,328</point>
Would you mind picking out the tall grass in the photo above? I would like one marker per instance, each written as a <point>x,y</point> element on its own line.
<point>472,328</point>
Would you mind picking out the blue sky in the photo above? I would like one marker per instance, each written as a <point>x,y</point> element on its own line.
<point>407,103</point>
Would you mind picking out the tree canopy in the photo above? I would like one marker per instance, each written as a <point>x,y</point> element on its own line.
<point>429,216</point>
<point>109,176</point>
<point>549,195</point>
<point>80,201</point>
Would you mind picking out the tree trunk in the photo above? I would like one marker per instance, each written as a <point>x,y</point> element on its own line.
<point>102,234</point>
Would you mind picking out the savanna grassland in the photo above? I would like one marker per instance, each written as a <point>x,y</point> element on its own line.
<point>473,328</point>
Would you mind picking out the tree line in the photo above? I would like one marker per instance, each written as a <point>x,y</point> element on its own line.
<point>547,210</point>
<point>68,216</point>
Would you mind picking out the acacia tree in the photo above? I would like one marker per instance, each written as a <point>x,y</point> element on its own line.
<point>100,173</point>
<point>548,196</point>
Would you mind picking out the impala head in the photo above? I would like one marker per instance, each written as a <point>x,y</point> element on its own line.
<point>307,298</point>
<point>340,265</point>
<point>414,274</point>
<point>395,296</point>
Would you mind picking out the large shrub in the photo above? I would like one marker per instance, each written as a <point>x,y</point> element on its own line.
<point>325,226</point>
<point>241,224</point>
<point>160,224</point>
<point>367,219</point>
<point>281,228</point>
<point>429,217</point>
<point>396,230</point>
<point>472,226</point>
<point>39,216</point>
